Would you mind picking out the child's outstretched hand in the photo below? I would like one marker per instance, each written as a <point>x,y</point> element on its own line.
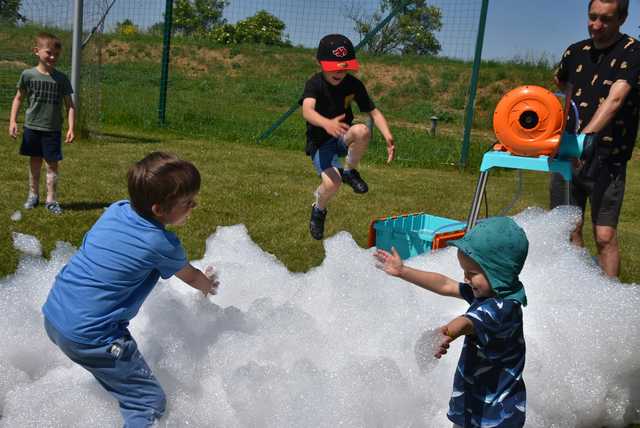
<point>443,342</point>
<point>336,126</point>
<point>391,263</point>
<point>212,276</point>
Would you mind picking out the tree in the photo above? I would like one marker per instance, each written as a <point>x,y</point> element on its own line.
<point>197,16</point>
<point>10,11</point>
<point>411,31</point>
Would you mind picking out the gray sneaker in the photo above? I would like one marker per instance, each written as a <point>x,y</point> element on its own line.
<point>53,207</point>
<point>32,202</point>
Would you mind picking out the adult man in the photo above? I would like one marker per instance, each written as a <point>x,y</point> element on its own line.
<point>601,75</point>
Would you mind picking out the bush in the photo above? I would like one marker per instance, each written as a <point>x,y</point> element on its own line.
<point>127,28</point>
<point>225,34</point>
<point>262,28</point>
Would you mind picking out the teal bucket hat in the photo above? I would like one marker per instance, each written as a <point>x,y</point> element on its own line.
<point>500,247</point>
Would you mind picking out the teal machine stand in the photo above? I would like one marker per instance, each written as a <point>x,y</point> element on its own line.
<point>571,146</point>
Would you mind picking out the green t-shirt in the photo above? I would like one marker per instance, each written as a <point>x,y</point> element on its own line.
<point>45,94</point>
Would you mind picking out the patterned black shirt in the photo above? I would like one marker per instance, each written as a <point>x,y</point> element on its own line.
<point>592,71</point>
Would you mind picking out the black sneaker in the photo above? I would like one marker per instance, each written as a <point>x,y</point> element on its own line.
<point>53,207</point>
<point>353,179</point>
<point>316,224</point>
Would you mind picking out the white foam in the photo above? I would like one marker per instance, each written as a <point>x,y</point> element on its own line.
<point>27,244</point>
<point>330,347</point>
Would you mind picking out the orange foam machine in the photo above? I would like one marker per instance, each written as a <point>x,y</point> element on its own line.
<point>529,121</point>
<point>529,124</point>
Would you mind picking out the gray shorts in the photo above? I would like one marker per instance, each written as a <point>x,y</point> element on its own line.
<point>605,195</point>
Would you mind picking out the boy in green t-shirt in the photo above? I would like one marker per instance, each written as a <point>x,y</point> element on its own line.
<point>45,89</point>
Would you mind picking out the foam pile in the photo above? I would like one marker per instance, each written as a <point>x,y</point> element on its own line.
<point>335,346</point>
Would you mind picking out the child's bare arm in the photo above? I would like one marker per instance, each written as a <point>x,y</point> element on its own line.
<point>71,111</point>
<point>460,326</point>
<point>392,264</point>
<point>334,127</point>
<point>208,284</point>
<point>13,118</point>
<point>383,127</point>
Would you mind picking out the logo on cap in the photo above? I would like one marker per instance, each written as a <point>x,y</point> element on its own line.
<point>340,52</point>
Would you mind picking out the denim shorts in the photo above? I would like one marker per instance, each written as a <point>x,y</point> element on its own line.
<point>42,144</point>
<point>326,156</point>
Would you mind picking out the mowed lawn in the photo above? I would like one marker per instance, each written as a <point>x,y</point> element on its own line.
<point>268,190</point>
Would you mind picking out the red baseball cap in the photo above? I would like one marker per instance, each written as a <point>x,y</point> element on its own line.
<point>336,53</point>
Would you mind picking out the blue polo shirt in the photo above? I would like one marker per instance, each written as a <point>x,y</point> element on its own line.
<point>106,281</point>
<point>488,389</point>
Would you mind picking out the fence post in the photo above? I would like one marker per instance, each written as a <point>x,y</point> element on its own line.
<point>76,52</point>
<point>468,122</point>
<point>166,52</point>
<point>434,125</point>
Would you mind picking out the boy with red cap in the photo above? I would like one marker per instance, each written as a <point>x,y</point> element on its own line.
<point>326,106</point>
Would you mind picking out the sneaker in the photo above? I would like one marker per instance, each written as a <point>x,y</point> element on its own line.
<point>353,179</point>
<point>32,202</point>
<point>53,207</point>
<point>316,224</point>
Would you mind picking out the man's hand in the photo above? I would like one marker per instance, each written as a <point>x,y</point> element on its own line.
<point>13,129</point>
<point>390,263</point>
<point>336,126</point>
<point>70,136</point>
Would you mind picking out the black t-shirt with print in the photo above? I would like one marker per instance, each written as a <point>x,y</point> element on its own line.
<point>332,101</point>
<point>592,72</point>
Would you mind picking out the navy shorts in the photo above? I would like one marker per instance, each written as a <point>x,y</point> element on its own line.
<point>326,156</point>
<point>42,144</point>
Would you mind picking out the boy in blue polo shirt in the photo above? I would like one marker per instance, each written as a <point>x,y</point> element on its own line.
<point>326,106</point>
<point>118,264</point>
<point>488,389</point>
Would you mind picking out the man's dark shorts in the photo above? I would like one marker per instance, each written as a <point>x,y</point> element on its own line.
<point>42,144</point>
<point>605,198</point>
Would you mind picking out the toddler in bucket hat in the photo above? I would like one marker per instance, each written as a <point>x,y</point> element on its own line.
<point>488,388</point>
<point>499,246</point>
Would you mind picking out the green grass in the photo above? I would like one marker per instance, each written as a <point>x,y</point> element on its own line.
<point>235,94</point>
<point>267,190</point>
